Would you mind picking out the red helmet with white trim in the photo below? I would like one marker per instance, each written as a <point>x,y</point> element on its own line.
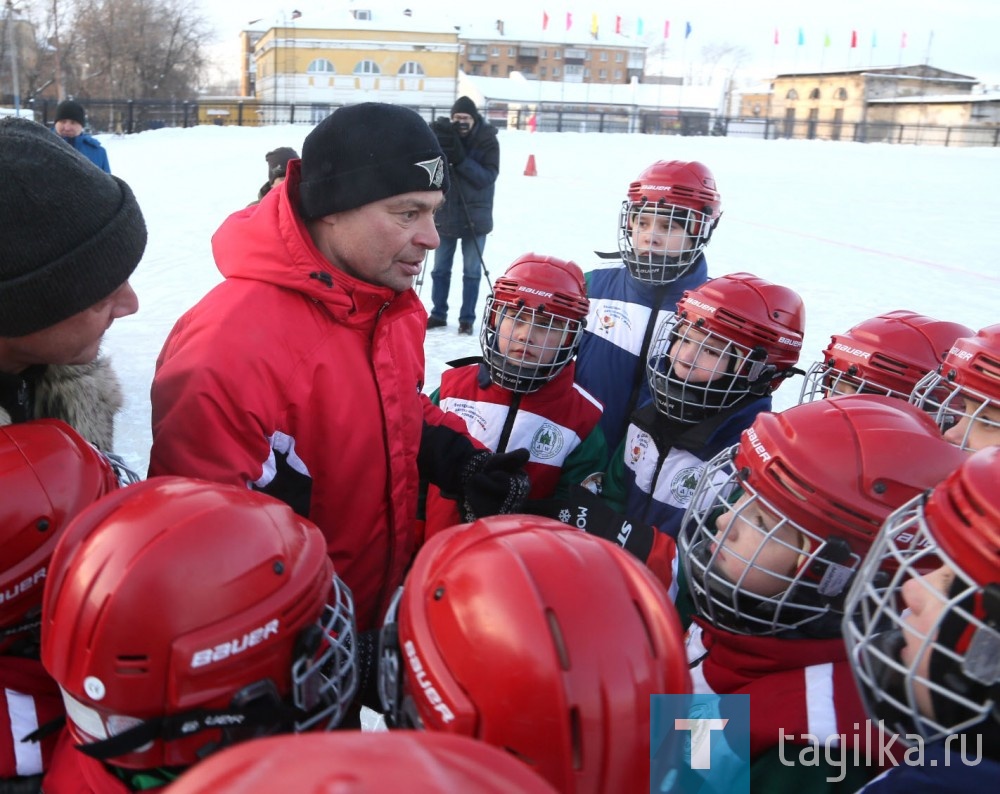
<point>964,393</point>
<point>49,474</point>
<point>886,354</point>
<point>928,661</point>
<point>496,634</point>
<point>780,522</point>
<point>667,195</point>
<point>733,336</point>
<point>182,615</point>
<point>362,763</point>
<point>533,321</point>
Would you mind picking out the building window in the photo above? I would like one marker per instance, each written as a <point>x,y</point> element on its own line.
<point>604,56</point>
<point>602,74</point>
<point>494,71</point>
<point>545,53</point>
<point>618,74</point>
<point>367,67</point>
<point>792,94</point>
<point>557,54</point>
<point>555,71</point>
<point>619,57</point>
<point>841,93</point>
<point>510,52</point>
<point>814,94</point>
<point>411,68</point>
<point>586,74</point>
<point>495,52</point>
<point>320,66</point>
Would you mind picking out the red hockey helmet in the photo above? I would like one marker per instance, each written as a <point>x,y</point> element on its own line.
<point>496,635</point>
<point>949,682</point>
<point>964,393</point>
<point>814,484</point>
<point>362,763</point>
<point>181,615</point>
<point>887,354</point>
<point>545,298</point>
<point>751,332</point>
<point>49,474</point>
<point>670,192</point>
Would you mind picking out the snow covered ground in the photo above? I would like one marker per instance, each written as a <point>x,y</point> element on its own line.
<point>856,229</point>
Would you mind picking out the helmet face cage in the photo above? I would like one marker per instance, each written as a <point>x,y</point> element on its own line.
<point>824,379</point>
<point>951,404</point>
<point>877,626</point>
<point>325,678</point>
<point>758,572</point>
<point>662,263</point>
<point>524,347</point>
<point>714,372</point>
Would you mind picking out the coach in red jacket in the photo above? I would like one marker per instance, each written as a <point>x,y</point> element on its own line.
<point>301,374</point>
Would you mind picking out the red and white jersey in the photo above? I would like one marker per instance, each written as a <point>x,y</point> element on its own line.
<point>30,699</point>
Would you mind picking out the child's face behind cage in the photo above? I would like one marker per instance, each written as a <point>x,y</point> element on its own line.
<point>531,337</point>
<point>660,231</point>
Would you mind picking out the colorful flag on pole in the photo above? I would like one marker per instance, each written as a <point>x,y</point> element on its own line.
<point>902,41</point>
<point>802,37</point>
<point>545,21</point>
<point>593,25</point>
<point>874,39</point>
<point>775,35</point>
<point>618,25</point>
<point>826,40</point>
<point>569,20</point>
<point>639,27</point>
<point>687,29</point>
<point>666,29</point>
<point>854,39</point>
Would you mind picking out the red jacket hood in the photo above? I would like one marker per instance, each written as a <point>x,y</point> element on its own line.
<point>245,246</point>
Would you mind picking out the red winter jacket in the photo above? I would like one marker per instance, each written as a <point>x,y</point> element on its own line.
<point>297,379</point>
<point>72,772</point>
<point>29,699</point>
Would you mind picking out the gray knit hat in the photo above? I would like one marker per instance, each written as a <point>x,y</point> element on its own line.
<point>367,152</point>
<point>71,233</point>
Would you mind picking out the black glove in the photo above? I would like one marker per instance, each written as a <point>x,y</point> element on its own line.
<point>494,484</point>
<point>587,511</point>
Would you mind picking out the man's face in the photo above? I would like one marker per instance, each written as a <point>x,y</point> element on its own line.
<point>68,128</point>
<point>463,123</point>
<point>383,242</point>
<point>75,340</point>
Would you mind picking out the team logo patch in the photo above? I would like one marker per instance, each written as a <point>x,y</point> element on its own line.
<point>608,317</point>
<point>684,482</point>
<point>547,442</point>
<point>435,171</point>
<point>639,446</point>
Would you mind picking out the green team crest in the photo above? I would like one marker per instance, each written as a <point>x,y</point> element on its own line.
<point>547,442</point>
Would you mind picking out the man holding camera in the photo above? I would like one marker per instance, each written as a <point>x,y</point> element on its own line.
<point>473,153</point>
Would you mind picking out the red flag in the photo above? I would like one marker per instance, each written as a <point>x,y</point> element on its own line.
<point>666,29</point>
<point>569,20</point>
<point>775,35</point>
<point>618,25</point>
<point>854,38</point>
<point>545,21</point>
<point>902,41</point>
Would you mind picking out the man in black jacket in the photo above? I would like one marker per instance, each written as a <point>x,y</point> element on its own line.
<point>473,153</point>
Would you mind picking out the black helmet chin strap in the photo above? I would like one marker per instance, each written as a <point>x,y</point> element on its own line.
<point>261,710</point>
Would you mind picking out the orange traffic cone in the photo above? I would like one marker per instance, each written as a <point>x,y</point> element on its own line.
<point>529,169</point>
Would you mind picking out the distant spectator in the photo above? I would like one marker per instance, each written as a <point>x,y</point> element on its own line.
<point>71,119</point>
<point>277,165</point>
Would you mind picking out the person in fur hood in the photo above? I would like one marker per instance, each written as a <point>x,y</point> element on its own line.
<point>72,236</point>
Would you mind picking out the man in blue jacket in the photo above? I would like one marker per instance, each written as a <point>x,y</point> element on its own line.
<point>71,118</point>
<point>473,153</point>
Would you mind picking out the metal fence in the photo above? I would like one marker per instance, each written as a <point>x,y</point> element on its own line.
<point>128,116</point>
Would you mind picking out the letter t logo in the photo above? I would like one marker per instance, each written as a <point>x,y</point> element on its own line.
<point>701,739</point>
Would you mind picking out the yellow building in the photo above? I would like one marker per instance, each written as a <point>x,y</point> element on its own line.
<point>338,59</point>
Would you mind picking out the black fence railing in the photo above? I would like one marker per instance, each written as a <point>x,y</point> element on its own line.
<point>129,116</point>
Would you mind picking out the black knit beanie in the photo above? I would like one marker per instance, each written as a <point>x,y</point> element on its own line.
<point>68,109</point>
<point>367,152</point>
<point>277,161</point>
<point>465,105</point>
<point>71,234</point>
